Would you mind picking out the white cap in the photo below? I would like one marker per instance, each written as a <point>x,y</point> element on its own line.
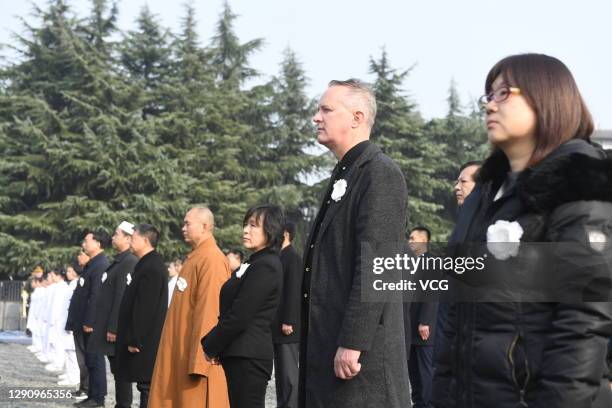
<point>126,227</point>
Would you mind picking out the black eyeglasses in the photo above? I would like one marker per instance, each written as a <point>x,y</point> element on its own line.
<point>498,95</point>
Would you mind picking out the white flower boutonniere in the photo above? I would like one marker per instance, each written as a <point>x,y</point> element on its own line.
<point>598,240</point>
<point>242,270</point>
<point>504,239</point>
<point>128,278</point>
<point>81,281</point>
<point>339,190</point>
<point>104,276</point>
<point>181,284</point>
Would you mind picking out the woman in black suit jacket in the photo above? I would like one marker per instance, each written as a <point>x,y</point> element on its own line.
<point>242,340</point>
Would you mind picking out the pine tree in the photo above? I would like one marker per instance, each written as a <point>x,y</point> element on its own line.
<point>453,100</point>
<point>74,155</point>
<point>463,139</point>
<point>230,57</point>
<point>100,26</point>
<point>398,130</point>
<point>210,126</point>
<point>292,122</point>
<point>293,146</point>
<point>145,56</point>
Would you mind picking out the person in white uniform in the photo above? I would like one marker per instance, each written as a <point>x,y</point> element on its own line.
<point>71,375</point>
<point>57,321</point>
<point>173,272</point>
<point>33,322</point>
<point>46,283</point>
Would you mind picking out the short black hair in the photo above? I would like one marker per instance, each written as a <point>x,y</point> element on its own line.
<point>290,228</point>
<point>237,252</point>
<point>273,223</point>
<point>101,236</point>
<point>422,229</point>
<point>470,163</point>
<point>149,232</point>
<point>76,267</point>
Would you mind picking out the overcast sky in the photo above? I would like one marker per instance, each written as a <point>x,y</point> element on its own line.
<point>444,38</point>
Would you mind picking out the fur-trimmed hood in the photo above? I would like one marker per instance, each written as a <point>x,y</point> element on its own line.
<point>575,171</point>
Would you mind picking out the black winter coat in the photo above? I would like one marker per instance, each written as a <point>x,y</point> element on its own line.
<point>247,306</point>
<point>141,319</point>
<point>537,355</point>
<point>290,300</point>
<point>114,282</point>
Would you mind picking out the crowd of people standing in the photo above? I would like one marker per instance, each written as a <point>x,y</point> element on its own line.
<point>227,327</point>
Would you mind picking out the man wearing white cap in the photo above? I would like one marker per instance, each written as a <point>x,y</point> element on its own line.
<point>114,281</point>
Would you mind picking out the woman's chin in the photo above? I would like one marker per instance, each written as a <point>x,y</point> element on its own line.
<point>496,139</point>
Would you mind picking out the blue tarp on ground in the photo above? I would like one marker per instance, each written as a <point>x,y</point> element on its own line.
<point>11,336</point>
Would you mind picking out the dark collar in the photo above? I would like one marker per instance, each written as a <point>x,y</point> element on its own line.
<point>121,256</point>
<point>149,254</point>
<point>98,258</point>
<point>260,253</point>
<point>353,154</point>
<point>576,177</point>
<point>575,171</point>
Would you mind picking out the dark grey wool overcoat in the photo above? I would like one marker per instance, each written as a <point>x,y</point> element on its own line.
<point>372,211</point>
<point>114,281</point>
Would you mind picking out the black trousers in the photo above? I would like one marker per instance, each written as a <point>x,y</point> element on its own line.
<point>144,388</point>
<point>123,390</point>
<point>286,373</point>
<point>441,319</point>
<point>420,370</point>
<point>79,347</point>
<point>96,365</point>
<point>247,379</point>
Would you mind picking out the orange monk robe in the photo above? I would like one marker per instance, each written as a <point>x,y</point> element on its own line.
<point>182,377</point>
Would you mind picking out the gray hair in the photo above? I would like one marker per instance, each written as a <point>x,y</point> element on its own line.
<point>366,100</point>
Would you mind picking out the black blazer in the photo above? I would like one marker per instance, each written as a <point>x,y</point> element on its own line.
<point>84,299</point>
<point>141,318</point>
<point>290,302</point>
<point>248,305</point>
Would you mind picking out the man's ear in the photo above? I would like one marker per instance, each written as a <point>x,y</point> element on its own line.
<point>358,118</point>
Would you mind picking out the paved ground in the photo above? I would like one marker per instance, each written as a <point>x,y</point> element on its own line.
<point>20,369</point>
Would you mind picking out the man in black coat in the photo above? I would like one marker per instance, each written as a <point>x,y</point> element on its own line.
<point>114,281</point>
<point>422,316</point>
<point>285,327</point>
<point>352,353</point>
<point>142,313</point>
<point>81,314</point>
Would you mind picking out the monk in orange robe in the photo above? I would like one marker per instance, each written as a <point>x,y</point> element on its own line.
<point>182,377</point>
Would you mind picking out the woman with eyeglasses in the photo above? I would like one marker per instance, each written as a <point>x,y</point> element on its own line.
<point>242,340</point>
<point>550,184</point>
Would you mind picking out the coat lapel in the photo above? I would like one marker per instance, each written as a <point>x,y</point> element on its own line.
<point>351,180</point>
